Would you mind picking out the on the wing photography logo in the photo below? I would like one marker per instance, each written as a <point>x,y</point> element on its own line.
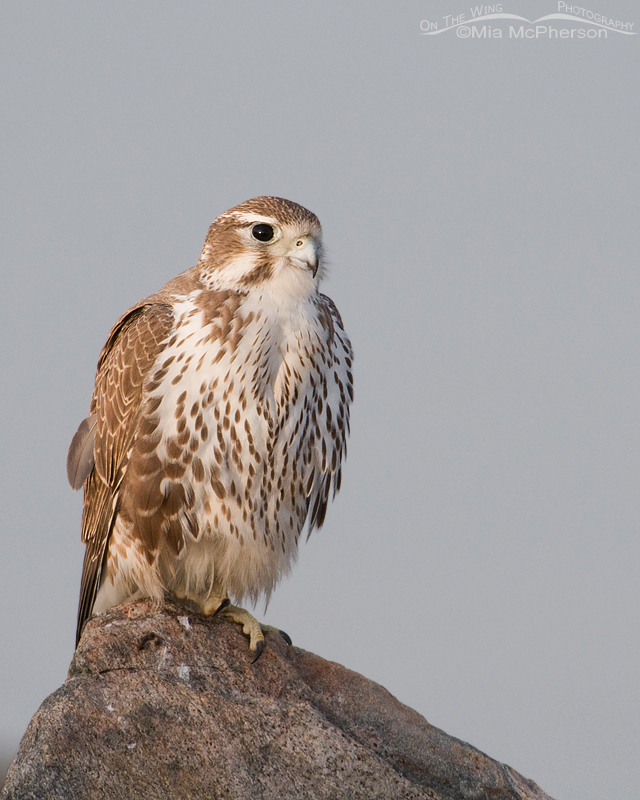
<point>493,21</point>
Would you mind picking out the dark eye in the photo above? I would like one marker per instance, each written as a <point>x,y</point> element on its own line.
<point>262,232</point>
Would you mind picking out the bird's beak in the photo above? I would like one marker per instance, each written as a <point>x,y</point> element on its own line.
<point>305,255</point>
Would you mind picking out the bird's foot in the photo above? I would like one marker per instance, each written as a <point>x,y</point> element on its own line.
<point>250,625</point>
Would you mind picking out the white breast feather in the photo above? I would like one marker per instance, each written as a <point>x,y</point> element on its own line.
<point>270,442</point>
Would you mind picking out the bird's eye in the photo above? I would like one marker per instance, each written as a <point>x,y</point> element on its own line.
<point>262,232</point>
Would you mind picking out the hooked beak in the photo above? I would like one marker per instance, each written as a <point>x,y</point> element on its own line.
<point>305,254</point>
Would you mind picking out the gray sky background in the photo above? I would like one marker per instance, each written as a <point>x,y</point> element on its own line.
<point>479,200</point>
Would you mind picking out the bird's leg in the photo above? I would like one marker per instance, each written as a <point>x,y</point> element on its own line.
<point>208,604</point>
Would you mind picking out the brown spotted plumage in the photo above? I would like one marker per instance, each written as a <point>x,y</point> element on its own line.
<point>218,422</point>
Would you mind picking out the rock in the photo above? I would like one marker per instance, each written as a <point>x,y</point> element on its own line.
<point>166,703</point>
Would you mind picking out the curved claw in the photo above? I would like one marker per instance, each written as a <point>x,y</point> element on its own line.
<point>285,636</point>
<point>222,606</point>
<point>260,650</point>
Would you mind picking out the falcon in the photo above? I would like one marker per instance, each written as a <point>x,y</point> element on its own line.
<point>218,423</point>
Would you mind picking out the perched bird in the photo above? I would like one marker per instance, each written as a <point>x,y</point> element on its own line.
<point>218,423</point>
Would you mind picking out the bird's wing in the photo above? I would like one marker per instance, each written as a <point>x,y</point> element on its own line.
<point>100,449</point>
<point>333,425</point>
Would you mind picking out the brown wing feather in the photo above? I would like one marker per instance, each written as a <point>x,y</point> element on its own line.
<point>130,352</point>
<point>97,516</point>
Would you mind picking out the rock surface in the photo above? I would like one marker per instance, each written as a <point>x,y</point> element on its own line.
<point>165,704</point>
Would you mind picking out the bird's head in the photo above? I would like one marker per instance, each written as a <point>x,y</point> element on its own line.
<point>267,243</point>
